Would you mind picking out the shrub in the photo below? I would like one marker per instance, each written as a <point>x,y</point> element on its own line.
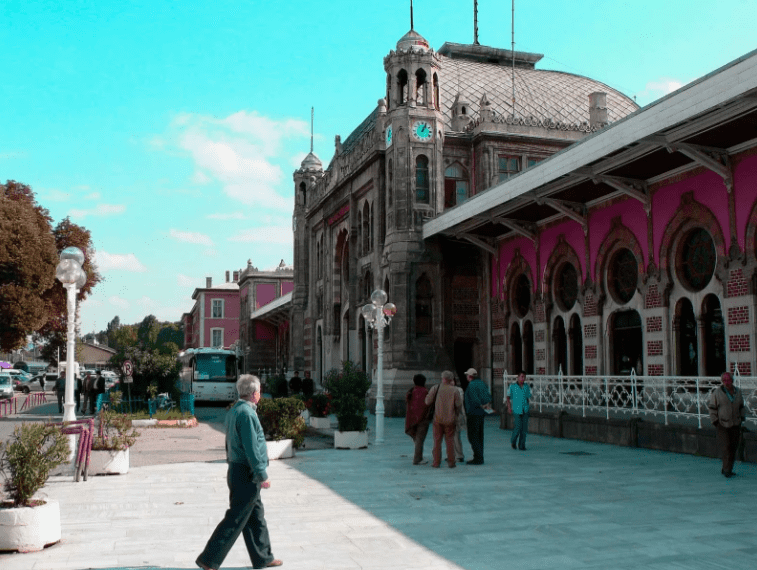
<point>319,405</point>
<point>113,432</point>
<point>281,419</point>
<point>348,388</point>
<point>279,386</point>
<point>27,459</point>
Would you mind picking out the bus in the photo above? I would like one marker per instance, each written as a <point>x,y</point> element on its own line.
<point>210,374</point>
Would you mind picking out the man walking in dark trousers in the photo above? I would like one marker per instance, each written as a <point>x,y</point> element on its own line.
<point>477,402</point>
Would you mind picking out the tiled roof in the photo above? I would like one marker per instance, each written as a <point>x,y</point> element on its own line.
<point>544,95</point>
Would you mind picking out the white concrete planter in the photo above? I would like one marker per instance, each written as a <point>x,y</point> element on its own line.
<point>107,462</point>
<point>320,423</point>
<point>281,449</point>
<point>350,439</point>
<point>28,529</point>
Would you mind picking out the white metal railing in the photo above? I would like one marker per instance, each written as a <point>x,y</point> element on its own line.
<point>665,397</point>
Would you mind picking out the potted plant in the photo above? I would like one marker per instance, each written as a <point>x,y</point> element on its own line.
<point>26,460</point>
<point>283,426</point>
<point>319,407</point>
<point>348,389</point>
<point>110,447</point>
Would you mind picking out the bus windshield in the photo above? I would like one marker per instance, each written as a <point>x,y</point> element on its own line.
<point>216,367</point>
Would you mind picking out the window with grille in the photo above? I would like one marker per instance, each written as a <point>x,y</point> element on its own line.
<point>421,180</point>
<point>566,286</point>
<point>508,166</point>
<point>623,276</point>
<point>697,259</point>
<point>217,309</point>
<point>455,185</point>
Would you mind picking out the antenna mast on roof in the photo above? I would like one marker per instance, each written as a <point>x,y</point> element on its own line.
<point>411,14</point>
<point>513,55</point>
<point>311,128</point>
<point>475,22</point>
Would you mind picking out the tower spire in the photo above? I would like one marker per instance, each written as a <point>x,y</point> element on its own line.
<point>411,15</point>
<point>475,22</point>
<point>311,128</point>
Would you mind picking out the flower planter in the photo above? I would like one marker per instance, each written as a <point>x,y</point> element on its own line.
<point>320,423</point>
<point>109,462</point>
<point>350,439</point>
<point>27,529</point>
<point>281,449</point>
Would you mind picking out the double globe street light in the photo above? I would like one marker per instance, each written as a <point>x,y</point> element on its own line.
<point>378,314</point>
<point>73,278</point>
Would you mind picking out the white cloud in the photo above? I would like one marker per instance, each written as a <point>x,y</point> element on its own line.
<point>229,216</point>
<point>114,261</point>
<point>243,152</point>
<point>190,237</point>
<point>119,302</point>
<point>270,234</point>
<point>653,90</point>
<point>99,210</point>
<point>55,195</point>
<point>186,281</point>
<point>93,196</point>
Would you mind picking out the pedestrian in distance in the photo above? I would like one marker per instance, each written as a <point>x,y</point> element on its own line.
<point>478,403</point>
<point>518,395</point>
<point>417,416</point>
<point>295,383</point>
<point>86,393</point>
<point>247,456</point>
<point>60,389</point>
<point>77,393</point>
<point>462,423</point>
<point>726,405</point>
<point>447,406</point>
<point>99,388</point>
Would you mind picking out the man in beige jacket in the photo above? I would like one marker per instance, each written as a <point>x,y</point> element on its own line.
<point>448,404</point>
<point>726,407</point>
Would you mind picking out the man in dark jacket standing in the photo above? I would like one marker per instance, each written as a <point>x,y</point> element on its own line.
<point>60,389</point>
<point>247,456</point>
<point>726,407</point>
<point>477,402</point>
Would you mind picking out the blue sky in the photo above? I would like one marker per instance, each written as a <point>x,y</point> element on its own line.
<point>171,129</point>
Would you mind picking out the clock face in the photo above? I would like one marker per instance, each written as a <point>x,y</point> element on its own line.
<point>389,135</point>
<point>422,130</point>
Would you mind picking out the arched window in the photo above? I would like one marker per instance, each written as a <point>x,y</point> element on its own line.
<point>522,295</point>
<point>420,87</point>
<point>303,193</point>
<point>402,87</point>
<point>697,259</point>
<point>455,185</point>
<point>623,276</point>
<point>421,180</point>
<point>436,91</point>
<point>424,294</point>
<point>566,286</point>
<point>390,176</point>
<point>366,228</point>
<point>359,233</point>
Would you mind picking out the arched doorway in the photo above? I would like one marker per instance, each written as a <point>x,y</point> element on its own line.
<point>714,336</point>
<point>516,349</point>
<point>626,342</point>
<point>575,335</point>
<point>560,346</point>
<point>685,329</point>
<point>528,347</point>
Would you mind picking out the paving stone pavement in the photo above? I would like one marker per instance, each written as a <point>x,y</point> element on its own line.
<point>561,504</point>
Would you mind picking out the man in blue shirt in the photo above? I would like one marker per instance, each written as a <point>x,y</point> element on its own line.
<point>518,395</point>
<point>247,456</point>
<point>477,402</point>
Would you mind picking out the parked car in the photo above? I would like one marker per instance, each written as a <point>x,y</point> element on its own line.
<point>19,379</point>
<point>6,384</point>
<point>111,379</point>
<point>49,380</point>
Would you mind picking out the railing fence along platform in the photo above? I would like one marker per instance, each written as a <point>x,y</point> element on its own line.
<point>663,397</point>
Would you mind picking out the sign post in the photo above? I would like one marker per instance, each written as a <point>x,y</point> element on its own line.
<point>127,368</point>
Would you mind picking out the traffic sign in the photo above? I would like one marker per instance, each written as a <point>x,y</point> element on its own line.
<point>127,368</point>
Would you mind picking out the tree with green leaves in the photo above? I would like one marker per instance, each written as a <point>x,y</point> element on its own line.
<point>28,258</point>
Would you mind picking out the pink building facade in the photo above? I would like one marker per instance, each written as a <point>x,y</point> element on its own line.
<point>214,318</point>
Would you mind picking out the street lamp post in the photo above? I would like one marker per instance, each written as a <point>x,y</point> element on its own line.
<point>73,278</point>
<point>378,315</point>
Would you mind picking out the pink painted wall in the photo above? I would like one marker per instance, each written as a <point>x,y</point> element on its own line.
<point>264,331</point>
<point>745,180</point>
<point>230,322</point>
<point>287,287</point>
<point>264,294</point>
<point>574,237</point>
<point>502,262</point>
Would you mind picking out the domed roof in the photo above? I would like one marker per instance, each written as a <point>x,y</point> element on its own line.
<point>311,162</point>
<point>540,95</point>
<point>411,40</point>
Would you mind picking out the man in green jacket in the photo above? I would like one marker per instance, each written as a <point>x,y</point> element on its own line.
<point>247,456</point>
